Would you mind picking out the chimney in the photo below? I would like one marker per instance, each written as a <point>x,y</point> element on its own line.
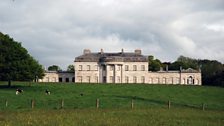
<point>122,50</point>
<point>86,51</point>
<point>101,51</point>
<point>138,51</point>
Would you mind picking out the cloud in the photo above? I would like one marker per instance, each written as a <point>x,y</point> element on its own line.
<point>55,32</point>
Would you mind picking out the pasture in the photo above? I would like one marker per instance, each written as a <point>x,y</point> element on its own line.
<point>79,104</point>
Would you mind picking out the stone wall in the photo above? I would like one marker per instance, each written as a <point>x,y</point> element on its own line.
<point>86,72</point>
<point>54,76</point>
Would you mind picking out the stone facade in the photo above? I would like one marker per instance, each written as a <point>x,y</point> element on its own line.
<point>128,67</point>
<point>121,67</point>
<point>58,76</point>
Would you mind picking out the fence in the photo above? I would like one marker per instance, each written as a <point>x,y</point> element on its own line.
<point>97,103</point>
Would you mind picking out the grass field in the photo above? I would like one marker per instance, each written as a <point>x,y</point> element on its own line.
<point>113,117</point>
<point>150,104</point>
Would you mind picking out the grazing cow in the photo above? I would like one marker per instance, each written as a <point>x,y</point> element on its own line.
<point>18,91</point>
<point>47,92</point>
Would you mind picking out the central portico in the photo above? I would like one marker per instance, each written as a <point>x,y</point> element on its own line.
<point>110,67</point>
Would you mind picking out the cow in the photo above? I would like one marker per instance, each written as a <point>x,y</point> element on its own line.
<point>18,91</point>
<point>47,92</point>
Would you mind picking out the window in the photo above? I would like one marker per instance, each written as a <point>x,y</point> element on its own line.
<point>134,79</point>
<point>73,79</point>
<point>88,67</point>
<point>80,67</point>
<point>104,79</point>
<point>66,79</point>
<point>96,79</point>
<point>126,67</point>
<point>88,79</point>
<point>111,79</point>
<point>126,79</point>
<point>60,79</point>
<point>118,79</point>
<point>134,67</point>
<point>104,67</point>
<point>143,79</point>
<point>143,67</point>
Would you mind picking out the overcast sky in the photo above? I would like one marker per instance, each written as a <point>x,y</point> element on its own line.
<point>56,31</point>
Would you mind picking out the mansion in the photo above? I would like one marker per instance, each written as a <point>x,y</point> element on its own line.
<point>121,67</point>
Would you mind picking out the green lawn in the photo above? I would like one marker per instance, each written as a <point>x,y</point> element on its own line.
<point>111,96</point>
<point>150,104</point>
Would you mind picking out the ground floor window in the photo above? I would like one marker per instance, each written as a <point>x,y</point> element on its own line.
<point>60,79</point>
<point>66,79</point>
<point>135,79</point>
<point>104,79</point>
<point>96,79</point>
<point>88,79</point>
<point>118,79</point>
<point>126,79</point>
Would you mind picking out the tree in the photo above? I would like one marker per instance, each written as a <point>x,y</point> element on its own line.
<point>154,65</point>
<point>212,71</point>
<point>15,62</point>
<point>185,63</point>
<point>54,68</point>
<point>70,68</point>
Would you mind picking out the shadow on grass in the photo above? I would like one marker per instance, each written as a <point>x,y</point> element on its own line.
<point>161,102</point>
<point>143,99</point>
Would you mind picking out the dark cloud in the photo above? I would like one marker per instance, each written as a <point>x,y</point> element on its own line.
<point>55,32</point>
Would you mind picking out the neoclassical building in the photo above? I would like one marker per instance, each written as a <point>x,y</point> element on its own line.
<point>121,67</point>
<point>127,67</point>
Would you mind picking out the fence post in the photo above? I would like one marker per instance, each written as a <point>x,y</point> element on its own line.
<point>132,103</point>
<point>62,103</point>
<point>32,103</point>
<point>203,106</point>
<point>169,103</point>
<point>6,103</point>
<point>97,103</point>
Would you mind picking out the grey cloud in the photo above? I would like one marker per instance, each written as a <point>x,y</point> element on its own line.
<point>55,32</point>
